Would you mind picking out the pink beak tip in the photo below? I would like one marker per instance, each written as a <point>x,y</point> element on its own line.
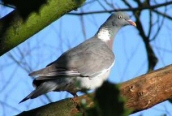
<point>132,22</point>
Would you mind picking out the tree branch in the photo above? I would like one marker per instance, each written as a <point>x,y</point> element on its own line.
<point>142,92</point>
<point>163,14</point>
<point>14,30</point>
<point>125,9</point>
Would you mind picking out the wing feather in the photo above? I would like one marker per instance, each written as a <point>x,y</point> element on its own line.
<point>87,59</point>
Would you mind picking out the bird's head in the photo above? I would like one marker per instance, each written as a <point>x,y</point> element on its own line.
<point>113,24</point>
<point>118,20</point>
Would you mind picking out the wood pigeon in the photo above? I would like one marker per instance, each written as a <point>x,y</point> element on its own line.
<point>85,66</point>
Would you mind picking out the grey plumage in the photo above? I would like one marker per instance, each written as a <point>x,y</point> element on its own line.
<point>85,66</point>
<point>80,60</point>
<point>43,88</point>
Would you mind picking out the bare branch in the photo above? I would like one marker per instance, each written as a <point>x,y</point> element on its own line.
<point>159,27</point>
<point>125,9</point>
<point>163,14</point>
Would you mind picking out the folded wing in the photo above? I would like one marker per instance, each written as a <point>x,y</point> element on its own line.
<point>89,59</point>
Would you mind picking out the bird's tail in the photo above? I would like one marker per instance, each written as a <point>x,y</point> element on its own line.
<point>41,72</point>
<point>42,89</point>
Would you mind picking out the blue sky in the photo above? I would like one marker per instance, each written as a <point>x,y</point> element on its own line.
<point>47,45</point>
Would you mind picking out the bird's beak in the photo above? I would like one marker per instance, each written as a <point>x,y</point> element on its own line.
<point>132,22</point>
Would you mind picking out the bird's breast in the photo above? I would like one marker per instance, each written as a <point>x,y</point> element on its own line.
<point>96,81</point>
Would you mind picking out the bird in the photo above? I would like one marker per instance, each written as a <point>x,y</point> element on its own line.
<point>84,67</point>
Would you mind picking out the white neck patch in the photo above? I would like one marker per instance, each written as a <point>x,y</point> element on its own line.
<point>104,35</point>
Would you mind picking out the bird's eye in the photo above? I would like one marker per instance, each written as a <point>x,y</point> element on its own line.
<point>119,17</point>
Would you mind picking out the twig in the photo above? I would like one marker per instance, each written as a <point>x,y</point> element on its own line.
<point>124,9</point>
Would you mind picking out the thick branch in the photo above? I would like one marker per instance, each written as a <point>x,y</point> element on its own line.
<point>142,92</point>
<point>148,90</point>
<point>13,30</point>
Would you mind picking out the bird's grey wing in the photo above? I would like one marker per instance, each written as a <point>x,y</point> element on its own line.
<point>87,59</point>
